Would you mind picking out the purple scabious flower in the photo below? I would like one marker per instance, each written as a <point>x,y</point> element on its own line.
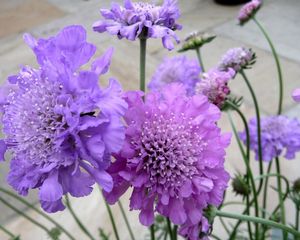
<point>278,134</point>
<point>248,11</point>
<point>141,20</point>
<point>237,58</point>
<point>173,156</point>
<point>214,85</point>
<point>296,95</point>
<point>177,69</point>
<point>59,125</point>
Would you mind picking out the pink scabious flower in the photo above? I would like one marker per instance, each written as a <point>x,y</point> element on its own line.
<point>296,95</point>
<point>279,135</point>
<point>59,126</point>
<point>248,11</point>
<point>237,58</point>
<point>173,156</point>
<point>141,20</point>
<point>177,69</point>
<point>214,85</point>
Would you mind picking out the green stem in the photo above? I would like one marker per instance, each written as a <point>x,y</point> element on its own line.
<point>20,199</point>
<point>277,64</point>
<point>112,220</point>
<point>7,232</point>
<point>25,216</point>
<point>152,232</point>
<point>282,209</point>
<point>297,218</point>
<point>143,46</point>
<point>266,189</point>
<point>257,112</point>
<point>170,229</point>
<point>175,232</point>
<point>126,220</point>
<point>258,220</point>
<point>77,220</point>
<point>200,59</point>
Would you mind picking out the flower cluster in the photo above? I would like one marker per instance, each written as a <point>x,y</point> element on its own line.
<point>248,11</point>
<point>278,134</point>
<point>237,58</point>
<point>141,20</point>
<point>173,157</point>
<point>59,125</point>
<point>176,69</point>
<point>196,40</point>
<point>214,85</point>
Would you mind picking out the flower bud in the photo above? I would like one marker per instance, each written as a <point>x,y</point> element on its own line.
<point>196,40</point>
<point>240,186</point>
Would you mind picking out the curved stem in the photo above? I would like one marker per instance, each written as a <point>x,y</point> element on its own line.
<point>200,59</point>
<point>282,209</point>
<point>20,199</point>
<point>152,232</point>
<point>126,220</point>
<point>25,216</point>
<point>111,217</point>
<point>170,229</point>
<point>258,220</point>
<point>7,231</point>
<point>77,220</point>
<point>277,64</point>
<point>257,112</point>
<point>143,45</point>
<point>266,189</point>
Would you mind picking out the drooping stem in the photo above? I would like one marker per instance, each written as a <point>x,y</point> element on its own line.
<point>143,46</point>
<point>112,220</point>
<point>200,59</point>
<point>257,113</point>
<point>152,232</point>
<point>7,232</point>
<point>21,213</point>
<point>282,208</point>
<point>126,220</point>
<point>77,220</point>
<point>277,64</point>
<point>259,220</point>
<point>28,204</point>
<point>170,229</point>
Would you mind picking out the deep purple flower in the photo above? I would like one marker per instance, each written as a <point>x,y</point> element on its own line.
<point>214,85</point>
<point>278,134</point>
<point>248,11</point>
<point>296,95</point>
<point>59,125</point>
<point>237,58</point>
<point>176,69</point>
<point>139,19</point>
<point>173,156</point>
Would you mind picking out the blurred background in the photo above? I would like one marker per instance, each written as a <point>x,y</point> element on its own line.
<point>45,17</point>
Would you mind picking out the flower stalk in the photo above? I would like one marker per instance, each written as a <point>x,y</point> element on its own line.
<point>143,46</point>
<point>126,220</point>
<point>198,51</point>
<point>7,232</point>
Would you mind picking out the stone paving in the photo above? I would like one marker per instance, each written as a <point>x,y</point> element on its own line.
<point>45,17</point>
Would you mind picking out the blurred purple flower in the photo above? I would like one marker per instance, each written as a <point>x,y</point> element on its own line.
<point>248,11</point>
<point>173,156</point>
<point>278,134</point>
<point>176,69</point>
<point>139,20</point>
<point>296,95</point>
<point>237,58</point>
<point>214,85</point>
<point>59,125</point>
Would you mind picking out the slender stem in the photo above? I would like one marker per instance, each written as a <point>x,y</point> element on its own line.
<point>77,220</point>
<point>257,112</point>
<point>215,237</point>
<point>175,232</point>
<point>126,220</point>
<point>152,232</point>
<point>7,232</point>
<point>224,225</point>
<point>258,220</point>
<point>297,218</point>
<point>143,46</point>
<point>266,189</point>
<point>20,199</point>
<point>112,220</point>
<point>25,215</point>
<point>200,59</point>
<point>282,209</point>
<point>170,229</point>
<point>277,64</point>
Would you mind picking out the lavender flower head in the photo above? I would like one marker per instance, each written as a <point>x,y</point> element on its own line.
<point>237,58</point>
<point>141,20</point>
<point>248,11</point>
<point>214,85</point>
<point>173,156</point>
<point>177,69</point>
<point>59,125</point>
<point>296,95</point>
<point>279,134</point>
